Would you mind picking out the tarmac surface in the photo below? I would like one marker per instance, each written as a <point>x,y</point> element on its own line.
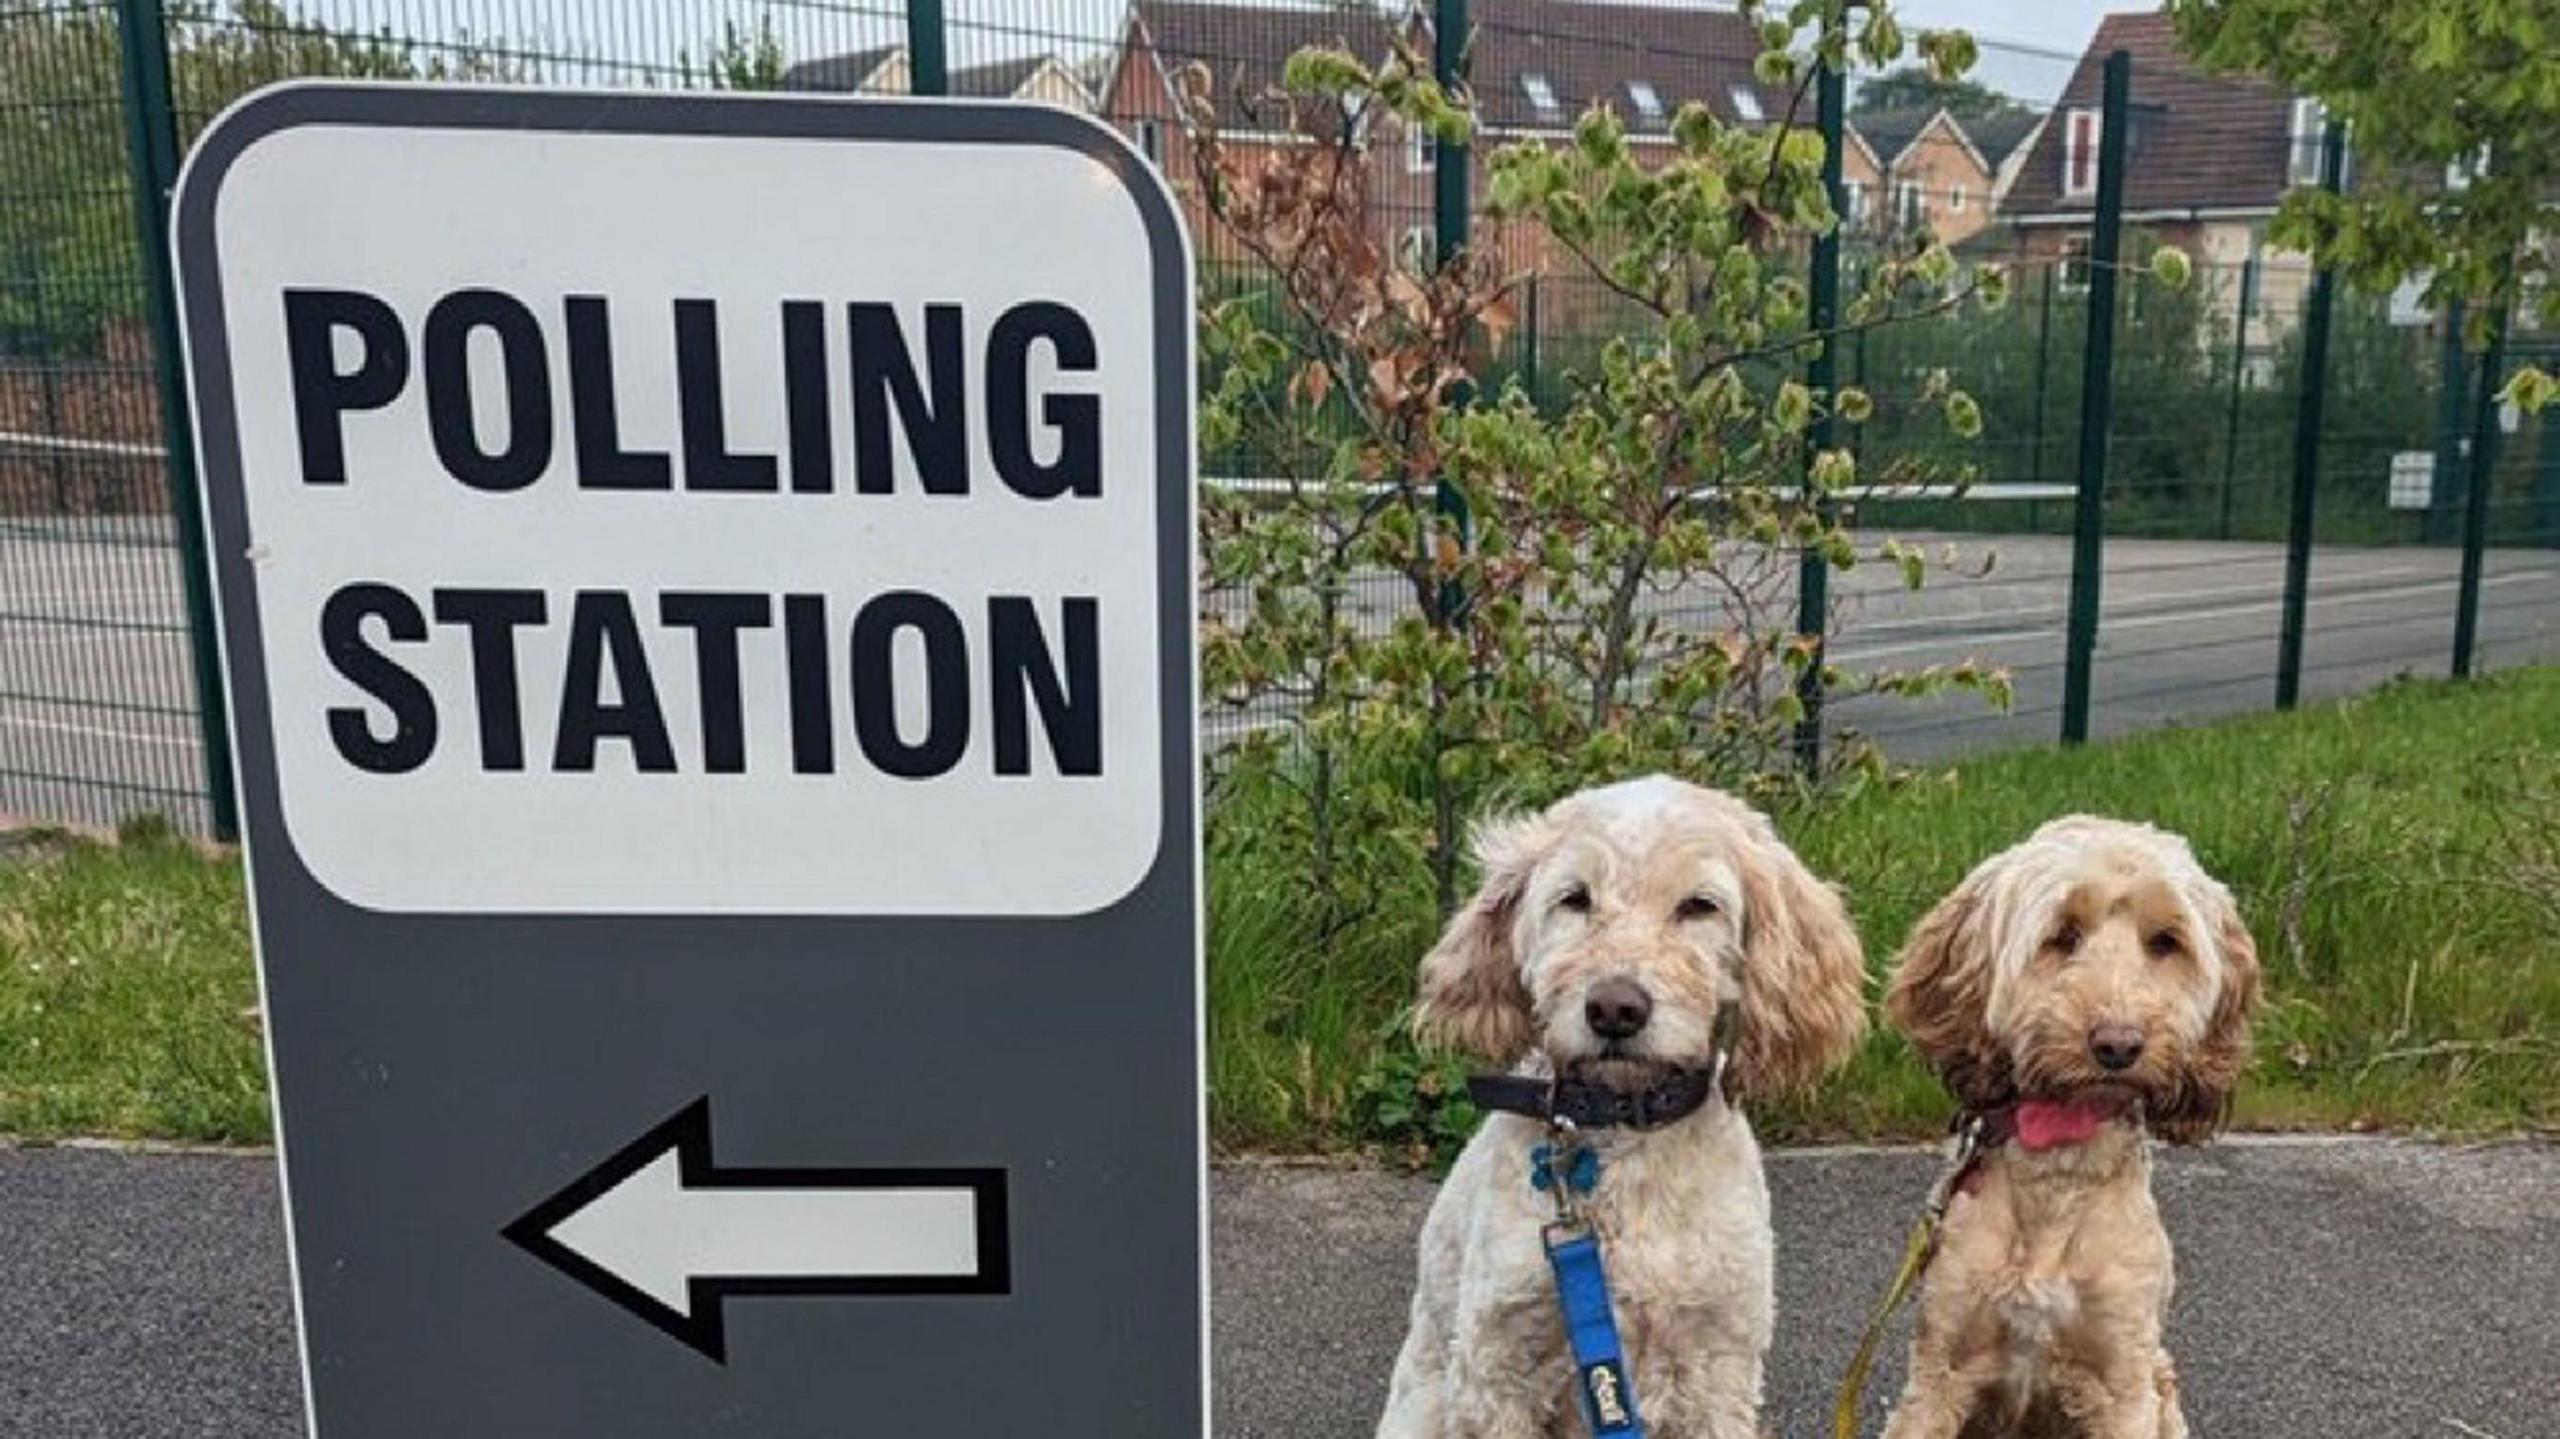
<point>2345,1287</point>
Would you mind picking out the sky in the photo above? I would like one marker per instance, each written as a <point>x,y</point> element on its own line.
<point>2023,41</point>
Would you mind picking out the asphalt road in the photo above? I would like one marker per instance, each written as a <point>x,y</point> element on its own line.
<point>94,672</point>
<point>2327,1288</point>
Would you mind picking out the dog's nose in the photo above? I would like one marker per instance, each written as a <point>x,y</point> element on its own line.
<point>2115,1046</point>
<point>1617,1008</point>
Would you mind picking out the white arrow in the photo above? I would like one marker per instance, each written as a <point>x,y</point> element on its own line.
<point>664,1233</point>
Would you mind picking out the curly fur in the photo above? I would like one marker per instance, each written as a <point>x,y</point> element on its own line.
<point>1690,894</point>
<point>2044,1309</point>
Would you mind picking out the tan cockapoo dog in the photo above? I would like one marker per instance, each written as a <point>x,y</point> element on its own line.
<point>1611,934</point>
<point>2074,991</point>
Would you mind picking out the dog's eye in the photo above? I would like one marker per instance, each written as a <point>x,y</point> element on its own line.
<point>2162,945</point>
<point>1696,906</point>
<point>1577,899</point>
<point>2066,940</point>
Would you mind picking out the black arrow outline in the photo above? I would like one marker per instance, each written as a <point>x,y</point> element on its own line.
<point>688,1133</point>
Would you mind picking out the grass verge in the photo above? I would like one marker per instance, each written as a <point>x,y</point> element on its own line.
<point>126,994</point>
<point>2398,856</point>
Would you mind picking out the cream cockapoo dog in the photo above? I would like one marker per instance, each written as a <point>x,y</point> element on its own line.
<point>1609,934</point>
<point>2073,990</point>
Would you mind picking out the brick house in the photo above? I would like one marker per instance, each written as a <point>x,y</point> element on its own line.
<point>1925,169</point>
<point>2208,160</point>
<point>1243,48</point>
<point>1536,66</point>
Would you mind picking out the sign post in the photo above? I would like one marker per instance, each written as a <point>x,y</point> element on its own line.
<point>706,596</point>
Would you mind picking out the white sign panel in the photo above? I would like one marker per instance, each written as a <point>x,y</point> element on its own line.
<point>2413,480</point>
<point>647,584</point>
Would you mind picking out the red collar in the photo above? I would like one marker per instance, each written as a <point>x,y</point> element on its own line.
<point>2034,1125</point>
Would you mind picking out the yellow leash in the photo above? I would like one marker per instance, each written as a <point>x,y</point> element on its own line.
<point>1916,1255</point>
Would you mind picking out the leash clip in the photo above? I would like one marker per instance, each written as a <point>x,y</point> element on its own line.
<point>1966,1148</point>
<point>1564,1151</point>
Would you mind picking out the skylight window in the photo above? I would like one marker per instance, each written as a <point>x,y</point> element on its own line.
<point>1746,103</point>
<point>1648,101</point>
<point>1541,94</point>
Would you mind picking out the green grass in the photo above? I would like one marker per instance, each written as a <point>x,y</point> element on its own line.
<point>2399,858</point>
<point>2395,857</point>
<point>2415,985</point>
<point>125,991</point>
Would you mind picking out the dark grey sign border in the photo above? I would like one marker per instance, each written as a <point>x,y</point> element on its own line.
<point>391,105</point>
<point>221,481</point>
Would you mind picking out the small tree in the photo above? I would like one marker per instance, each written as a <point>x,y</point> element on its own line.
<point>1919,87</point>
<point>68,266</point>
<point>1623,596</point>
<point>741,59</point>
<point>2454,109</point>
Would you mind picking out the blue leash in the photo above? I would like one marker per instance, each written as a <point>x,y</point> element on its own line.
<point>1568,1169</point>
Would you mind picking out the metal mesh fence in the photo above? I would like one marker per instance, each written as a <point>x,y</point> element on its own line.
<point>97,711</point>
<point>97,714</point>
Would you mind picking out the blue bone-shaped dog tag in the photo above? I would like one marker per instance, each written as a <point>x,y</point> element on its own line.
<point>1581,1169</point>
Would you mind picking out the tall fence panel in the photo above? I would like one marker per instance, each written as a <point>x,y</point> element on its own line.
<point>98,709</point>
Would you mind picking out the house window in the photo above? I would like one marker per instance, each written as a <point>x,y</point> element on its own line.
<point>1151,141</point>
<point>1540,93</point>
<point>2080,154</point>
<point>1906,204</point>
<point>2305,129</point>
<point>1648,101</point>
<point>1955,200</point>
<point>1421,249</point>
<point>1746,104</point>
<point>1854,195</point>
<point>1421,148</point>
<point>2072,270</point>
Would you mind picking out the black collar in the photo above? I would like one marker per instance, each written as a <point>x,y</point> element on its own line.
<point>1596,1106</point>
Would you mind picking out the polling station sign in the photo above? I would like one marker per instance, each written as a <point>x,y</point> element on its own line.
<point>706,590</point>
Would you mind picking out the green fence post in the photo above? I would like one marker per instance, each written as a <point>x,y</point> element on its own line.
<point>2475,502</point>
<point>2453,386</point>
<point>2044,355</point>
<point>2239,378</point>
<point>1450,215</point>
<point>1529,341</point>
<point>2546,477</point>
<point>1822,374</point>
<point>2097,402</point>
<point>2306,443</point>
<point>928,55</point>
<point>1858,370</point>
<point>151,139</point>
<point>51,356</point>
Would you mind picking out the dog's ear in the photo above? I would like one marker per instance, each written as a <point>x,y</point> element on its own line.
<point>1804,975</point>
<point>1473,997</point>
<point>1940,994</point>
<point>2213,1071</point>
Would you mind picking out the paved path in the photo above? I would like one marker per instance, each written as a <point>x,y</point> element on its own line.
<point>2327,1288</point>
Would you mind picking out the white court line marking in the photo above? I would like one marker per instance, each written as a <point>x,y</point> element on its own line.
<point>99,731</point>
<point>2135,622</point>
<point>1915,621</point>
<point>81,447</point>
